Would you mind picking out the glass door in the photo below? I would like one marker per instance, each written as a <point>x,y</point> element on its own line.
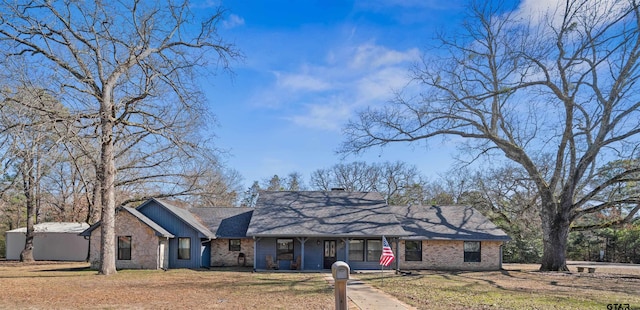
<point>329,253</point>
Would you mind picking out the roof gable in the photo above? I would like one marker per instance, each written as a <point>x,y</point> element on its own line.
<point>322,213</point>
<point>447,223</point>
<point>184,215</point>
<point>158,230</point>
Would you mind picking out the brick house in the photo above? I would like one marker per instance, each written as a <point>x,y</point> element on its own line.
<point>304,230</point>
<point>322,227</point>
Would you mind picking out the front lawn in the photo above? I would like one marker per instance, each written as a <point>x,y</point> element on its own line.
<point>517,287</point>
<point>72,286</point>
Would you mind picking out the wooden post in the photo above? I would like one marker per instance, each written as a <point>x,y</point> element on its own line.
<point>340,271</point>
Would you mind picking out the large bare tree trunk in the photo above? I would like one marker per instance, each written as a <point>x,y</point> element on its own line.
<point>95,209</point>
<point>555,233</point>
<point>106,179</point>
<point>27,179</point>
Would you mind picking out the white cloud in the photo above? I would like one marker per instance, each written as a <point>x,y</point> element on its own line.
<point>301,82</point>
<point>328,116</point>
<point>233,21</point>
<point>324,95</point>
<point>370,56</point>
<point>541,11</point>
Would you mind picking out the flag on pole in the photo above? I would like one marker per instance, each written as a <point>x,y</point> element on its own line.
<point>387,254</point>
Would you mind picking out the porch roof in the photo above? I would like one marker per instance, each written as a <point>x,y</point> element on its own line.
<point>323,214</point>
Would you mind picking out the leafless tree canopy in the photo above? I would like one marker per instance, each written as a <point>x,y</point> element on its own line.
<point>555,93</point>
<point>129,73</point>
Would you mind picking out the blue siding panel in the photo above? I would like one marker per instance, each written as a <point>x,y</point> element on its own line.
<point>264,247</point>
<point>179,229</point>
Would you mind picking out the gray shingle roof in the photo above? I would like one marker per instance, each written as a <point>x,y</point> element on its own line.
<point>318,213</point>
<point>159,231</point>
<point>185,215</point>
<point>225,222</point>
<point>447,223</point>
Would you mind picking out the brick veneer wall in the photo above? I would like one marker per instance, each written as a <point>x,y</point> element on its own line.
<point>221,256</point>
<point>449,255</point>
<point>144,244</point>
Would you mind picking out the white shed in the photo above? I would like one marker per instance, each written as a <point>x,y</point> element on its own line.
<point>52,241</point>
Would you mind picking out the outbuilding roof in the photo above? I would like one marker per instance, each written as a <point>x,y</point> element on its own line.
<point>55,227</point>
<point>225,222</point>
<point>322,213</point>
<point>447,223</point>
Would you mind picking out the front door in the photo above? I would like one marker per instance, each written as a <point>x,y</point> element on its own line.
<point>329,253</point>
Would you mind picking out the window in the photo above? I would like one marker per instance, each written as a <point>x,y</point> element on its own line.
<point>472,251</point>
<point>356,250</point>
<point>124,247</point>
<point>284,249</point>
<point>413,250</point>
<point>234,244</point>
<point>184,248</point>
<point>374,250</point>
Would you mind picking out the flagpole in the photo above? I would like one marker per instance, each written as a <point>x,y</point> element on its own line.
<point>386,258</point>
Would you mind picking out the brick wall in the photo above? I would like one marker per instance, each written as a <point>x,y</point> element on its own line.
<point>449,255</point>
<point>144,244</point>
<point>221,256</point>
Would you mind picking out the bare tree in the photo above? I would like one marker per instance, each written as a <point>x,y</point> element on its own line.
<point>294,182</point>
<point>30,129</point>
<point>113,61</point>
<point>553,93</point>
<point>397,181</point>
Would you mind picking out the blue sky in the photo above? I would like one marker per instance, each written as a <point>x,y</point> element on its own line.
<point>309,67</point>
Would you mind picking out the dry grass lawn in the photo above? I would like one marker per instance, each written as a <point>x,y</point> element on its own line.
<point>72,286</point>
<point>516,287</point>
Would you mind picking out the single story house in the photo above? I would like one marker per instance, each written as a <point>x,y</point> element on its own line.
<point>52,241</point>
<point>304,230</point>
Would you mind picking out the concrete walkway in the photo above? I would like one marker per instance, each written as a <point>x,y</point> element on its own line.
<point>366,297</point>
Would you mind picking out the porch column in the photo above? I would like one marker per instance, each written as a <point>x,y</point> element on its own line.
<point>397,254</point>
<point>302,241</point>
<point>346,249</point>
<point>255,253</point>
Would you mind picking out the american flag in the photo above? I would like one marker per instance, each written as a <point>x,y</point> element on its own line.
<point>387,254</point>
